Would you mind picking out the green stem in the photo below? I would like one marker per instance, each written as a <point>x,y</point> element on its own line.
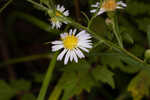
<point>48,77</point>
<point>5,5</point>
<point>116,31</point>
<point>38,5</point>
<point>148,35</point>
<point>25,59</point>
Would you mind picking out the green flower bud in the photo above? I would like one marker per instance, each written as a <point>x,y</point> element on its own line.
<point>147,54</point>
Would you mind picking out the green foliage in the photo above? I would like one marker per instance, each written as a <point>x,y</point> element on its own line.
<point>21,85</point>
<point>10,90</point>
<point>6,91</point>
<point>135,7</point>
<point>140,85</point>
<point>75,79</point>
<point>99,74</point>
<point>28,97</point>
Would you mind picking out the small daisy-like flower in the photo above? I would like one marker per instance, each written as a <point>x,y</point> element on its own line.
<point>56,22</point>
<point>107,5</point>
<point>72,45</point>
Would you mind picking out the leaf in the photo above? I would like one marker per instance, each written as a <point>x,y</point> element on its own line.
<point>6,91</point>
<point>28,97</point>
<point>115,60</point>
<point>21,85</point>
<point>75,79</point>
<point>137,50</point>
<point>101,73</point>
<point>140,85</point>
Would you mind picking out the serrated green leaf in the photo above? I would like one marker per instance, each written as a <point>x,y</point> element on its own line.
<point>112,59</point>
<point>21,85</point>
<point>6,91</point>
<point>115,60</point>
<point>75,79</point>
<point>138,50</point>
<point>101,73</point>
<point>140,85</point>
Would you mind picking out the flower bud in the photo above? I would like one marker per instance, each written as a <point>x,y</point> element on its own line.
<point>147,54</point>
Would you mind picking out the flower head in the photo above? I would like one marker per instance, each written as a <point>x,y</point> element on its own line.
<point>72,45</point>
<point>107,5</point>
<point>56,22</point>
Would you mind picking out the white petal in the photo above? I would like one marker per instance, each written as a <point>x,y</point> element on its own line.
<point>71,56</point>
<point>121,3</point>
<point>63,35</point>
<point>67,57</point>
<point>66,13</point>
<point>84,49</point>
<point>118,7</point>
<point>95,5</point>
<point>80,33</point>
<point>58,7</point>
<point>70,32</point>
<point>74,56</point>
<point>57,42</point>
<point>60,56</point>
<point>57,47</point>
<point>93,11</point>
<point>85,45</point>
<point>74,31</point>
<point>62,8</point>
<point>101,11</point>
<point>65,22</point>
<point>85,41</point>
<point>79,53</point>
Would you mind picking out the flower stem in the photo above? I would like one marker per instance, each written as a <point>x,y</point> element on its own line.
<point>47,79</point>
<point>8,2</point>
<point>116,31</point>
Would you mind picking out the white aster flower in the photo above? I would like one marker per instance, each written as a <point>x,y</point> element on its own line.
<point>107,5</point>
<point>72,44</point>
<point>56,22</point>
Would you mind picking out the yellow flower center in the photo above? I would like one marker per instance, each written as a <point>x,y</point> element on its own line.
<point>70,42</point>
<point>58,14</point>
<point>109,5</point>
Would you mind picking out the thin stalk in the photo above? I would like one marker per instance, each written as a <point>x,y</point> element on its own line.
<point>25,59</point>
<point>47,79</point>
<point>148,35</point>
<point>39,5</point>
<point>8,2</point>
<point>116,32</point>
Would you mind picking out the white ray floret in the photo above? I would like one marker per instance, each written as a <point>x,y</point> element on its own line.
<point>72,44</point>
<point>55,21</point>
<point>106,6</point>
